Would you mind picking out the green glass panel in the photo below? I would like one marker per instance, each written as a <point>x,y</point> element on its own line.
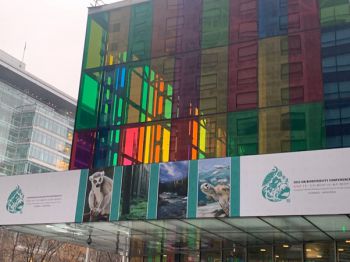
<point>125,54</point>
<point>117,134</point>
<point>111,137</point>
<point>168,106</point>
<point>170,90</point>
<point>215,20</point>
<point>115,159</point>
<point>334,12</point>
<point>242,133</point>
<point>140,32</point>
<point>150,100</point>
<point>120,107</point>
<point>143,117</point>
<point>114,109</point>
<point>152,76</point>
<point>144,96</point>
<point>146,69</point>
<point>307,127</point>
<point>87,103</point>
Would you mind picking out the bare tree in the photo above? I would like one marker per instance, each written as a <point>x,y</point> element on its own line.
<point>37,248</point>
<point>18,247</point>
<point>104,256</point>
<point>71,252</point>
<point>51,248</point>
<point>14,246</point>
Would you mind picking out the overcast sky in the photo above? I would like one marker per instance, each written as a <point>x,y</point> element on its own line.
<point>54,31</point>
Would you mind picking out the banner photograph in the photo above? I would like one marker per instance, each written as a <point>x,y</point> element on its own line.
<point>214,187</point>
<point>98,195</point>
<point>134,193</point>
<point>172,193</point>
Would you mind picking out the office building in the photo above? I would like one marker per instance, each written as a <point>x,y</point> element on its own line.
<point>37,120</point>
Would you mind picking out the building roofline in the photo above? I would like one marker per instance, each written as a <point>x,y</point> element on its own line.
<point>32,86</point>
<point>108,7</point>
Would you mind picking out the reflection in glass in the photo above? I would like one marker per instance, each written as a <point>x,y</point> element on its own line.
<point>320,252</point>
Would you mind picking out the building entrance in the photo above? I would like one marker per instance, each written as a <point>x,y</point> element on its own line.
<point>254,239</point>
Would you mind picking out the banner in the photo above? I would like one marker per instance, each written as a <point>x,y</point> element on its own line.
<point>172,192</point>
<point>39,198</point>
<point>134,192</point>
<point>213,187</point>
<point>301,183</point>
<point>98,195</point>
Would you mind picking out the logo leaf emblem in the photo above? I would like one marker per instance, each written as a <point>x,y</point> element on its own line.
<point>275,186</point>
<point>15,201</point>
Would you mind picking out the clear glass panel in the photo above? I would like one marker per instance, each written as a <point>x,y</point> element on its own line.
<point>288,253</point>
<point>260,254</point>
<point>320,252</point>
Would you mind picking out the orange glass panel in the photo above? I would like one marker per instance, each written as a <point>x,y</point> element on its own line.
<point>160,105</point>
<point>155,102</point>
<point>194,153</point>
<point>157,156</point>
<point>159,132</point>
<point>195,133</point>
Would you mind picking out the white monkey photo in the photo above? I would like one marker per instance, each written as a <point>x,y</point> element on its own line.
<point>100,195</point>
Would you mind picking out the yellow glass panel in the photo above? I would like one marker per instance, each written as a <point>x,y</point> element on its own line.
<point>147,144</point>
<point>202,136</point>
<point>274,130</point>
<point>94,57</point>
<point>213,81</point>
<point>151,158</point>
<point>166,145</point>
<point>273,72</point>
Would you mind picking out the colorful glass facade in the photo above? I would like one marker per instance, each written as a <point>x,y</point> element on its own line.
<point>172,80</point>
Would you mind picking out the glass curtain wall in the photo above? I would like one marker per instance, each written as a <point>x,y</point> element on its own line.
<point>181,80</point>
<point>33,137</point>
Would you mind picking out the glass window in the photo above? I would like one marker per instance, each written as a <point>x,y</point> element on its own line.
<point>343,62</point>
<point>345,115</point>
<point>330,90</point>
<point>288,253</point>
<point>260,254</point>
<point>343,36</point>
<point>344,89</point>
<point>247,126</point>
<point>320,252</point>
<point>328,39</point>
<point>333,116</point>
<point>329,64</point>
